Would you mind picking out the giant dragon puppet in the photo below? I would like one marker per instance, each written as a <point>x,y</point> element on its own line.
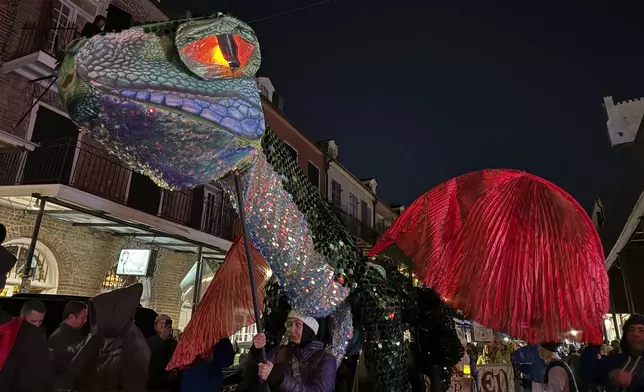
<point>178,102</point>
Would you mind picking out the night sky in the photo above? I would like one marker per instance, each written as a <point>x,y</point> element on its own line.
<point>415,94</point>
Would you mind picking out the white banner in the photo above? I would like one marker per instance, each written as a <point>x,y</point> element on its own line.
<point>482,334</point>
<point>461,384</point>
<point>496,378</point>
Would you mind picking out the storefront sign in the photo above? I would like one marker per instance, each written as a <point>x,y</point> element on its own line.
<point>133,262</point>
<point>482,334</point>
<point>496,378</point>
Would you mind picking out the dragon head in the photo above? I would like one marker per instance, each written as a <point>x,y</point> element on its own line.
<point>178,101</point>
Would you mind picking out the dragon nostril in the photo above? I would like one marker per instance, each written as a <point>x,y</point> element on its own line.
<point>68,80</point>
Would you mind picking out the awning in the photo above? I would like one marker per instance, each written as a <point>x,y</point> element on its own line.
<point>188,283</point>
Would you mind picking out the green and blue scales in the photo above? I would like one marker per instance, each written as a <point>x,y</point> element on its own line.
<point>178,102</point>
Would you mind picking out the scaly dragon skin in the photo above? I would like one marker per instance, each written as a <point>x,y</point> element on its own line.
<point>179,103</point>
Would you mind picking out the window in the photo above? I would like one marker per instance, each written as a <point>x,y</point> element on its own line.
<point>291,151</point>
<point>353,205</point>
<point>44,272</point>
<point>314,175</point>
<point>69,16</point>
<point>336,193</point>
<point>245,335</point>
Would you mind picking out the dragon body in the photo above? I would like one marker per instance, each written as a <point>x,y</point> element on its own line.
<point>178,102</point>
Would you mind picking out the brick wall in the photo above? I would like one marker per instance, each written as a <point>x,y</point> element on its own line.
<point>306,150</point>
<point>141,10</point>
<point>16,93</point>
<point>84,256</point>
<point>16,97</point>
<point>13,16</point>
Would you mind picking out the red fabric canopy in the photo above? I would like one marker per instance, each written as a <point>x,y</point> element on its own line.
<point>226,307</point>
<point>513,251</point>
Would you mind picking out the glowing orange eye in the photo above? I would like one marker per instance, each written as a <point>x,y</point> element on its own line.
<point>229,51</point>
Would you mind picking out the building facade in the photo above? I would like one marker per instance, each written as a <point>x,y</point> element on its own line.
<point>623,119</point>
<point>92,206</point>
<point>354,200</point>
<point>618,214</point>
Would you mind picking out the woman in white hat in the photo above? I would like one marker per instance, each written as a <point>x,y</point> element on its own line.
<point>300,365</point>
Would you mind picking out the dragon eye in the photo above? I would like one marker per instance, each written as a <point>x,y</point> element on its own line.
<point>226,50</point>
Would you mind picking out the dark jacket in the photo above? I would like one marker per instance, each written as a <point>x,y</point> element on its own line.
<point>161,352</point>
<point>90,29</point>
<point>115,356</point>
<point>317,369</point>
<point>206,375</point>
<point>527,361</point>
<point>23,349</point>
<point>597,371</point>
<point>64,343</point>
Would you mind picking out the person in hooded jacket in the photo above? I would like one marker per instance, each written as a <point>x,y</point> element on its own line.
<point>115,356</point>
<point>620,372</point>
<point>302,365</point>
<point>24,355</point>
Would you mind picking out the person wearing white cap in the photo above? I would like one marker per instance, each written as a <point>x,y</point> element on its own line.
<point>302,365</point>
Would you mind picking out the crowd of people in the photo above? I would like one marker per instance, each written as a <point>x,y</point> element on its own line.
<point>115,356</point>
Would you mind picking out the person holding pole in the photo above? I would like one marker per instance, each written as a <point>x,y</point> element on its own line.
<point>302,365</point>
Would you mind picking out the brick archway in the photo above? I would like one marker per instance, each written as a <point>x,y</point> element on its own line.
<point>65,258</point>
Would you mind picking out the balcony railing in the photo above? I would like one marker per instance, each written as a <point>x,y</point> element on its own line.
<point>90,169</point>
<point>38,36</point>
<point>356,227</point>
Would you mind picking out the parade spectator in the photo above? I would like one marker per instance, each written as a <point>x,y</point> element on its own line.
<point>488,357</point>
<point>162,346</point>
<point>65,342</point>
<point>573,359</point>
<point>92,28</point>
<point>205,375</point>
<point>116,356</point>
<point>622,372</point>
<point>300,365</point>
<point>33,312</point>
<point>24,357</point>
<point>558,377</point>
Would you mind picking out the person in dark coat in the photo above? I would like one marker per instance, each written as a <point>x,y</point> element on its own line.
<point>162,346</point>
<point>24,357</point>
<point>115,356</point>
<point>205,375</point>
<point>621,372</point>
<point>92,28</point>
<point>65,342</point>
<point>315,368</point>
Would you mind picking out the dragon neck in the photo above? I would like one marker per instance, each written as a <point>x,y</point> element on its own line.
<point>309,250</point>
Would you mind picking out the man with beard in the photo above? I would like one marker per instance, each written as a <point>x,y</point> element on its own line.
<point>300,365</point>
<point>24,356</point>
<point>622,372</point>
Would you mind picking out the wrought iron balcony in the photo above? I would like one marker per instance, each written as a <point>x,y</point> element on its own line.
<point>90,169</point>
<point>356,227</point>
<point>38,36</point>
